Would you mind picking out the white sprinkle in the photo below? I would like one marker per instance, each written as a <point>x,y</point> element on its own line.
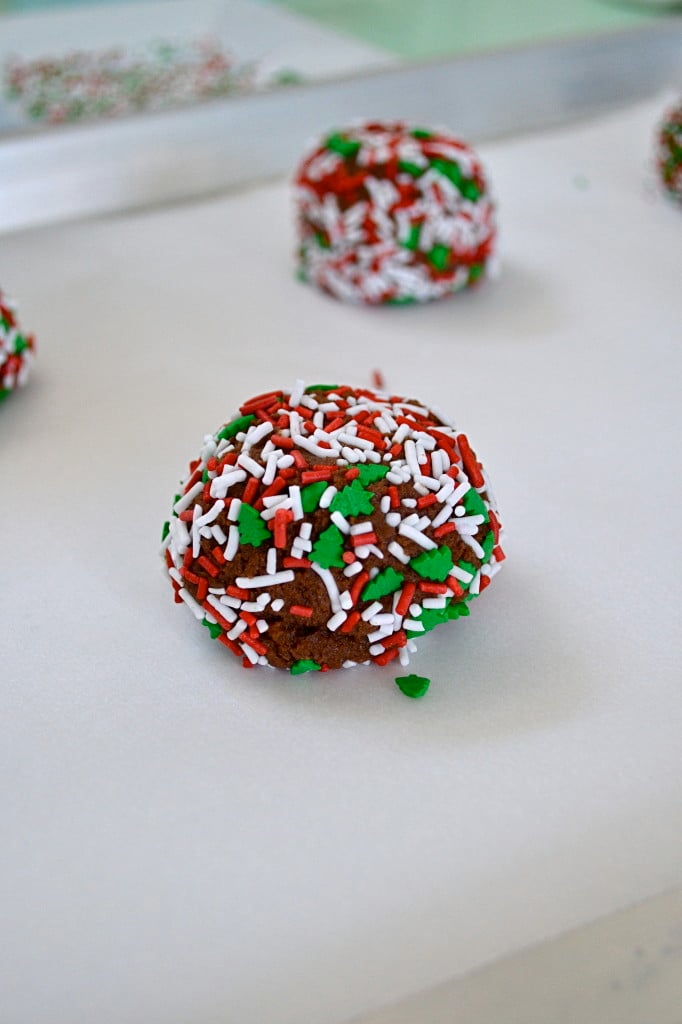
<point>460,510</point>
<point>270,469</point>
<point>353,569</point>
<point>296,506</point>
<point>395,549</point>
<point>221,485</point>
<point>209,516</point>
<point>415,609</point>
<point>417,536</point>
<point>413,626</point>
<point>232,544</point>
<point>459,492</point>
<point>442,516</point>
<point>460,574</point>
<point>262,626</point>
<point>385,503</point>
<point>412,460</point>
<point>222,609</point>
<point>233,510</point>
<point>256,434</point>
<point>270,513</point>
<point>330,585</point>
<point>193,605</point>
<point>327,497</point>
<point>340,522</point>
<point>183,503</point>
<point>306,530</point>
<point>365,527</point>
<point>446,490</point>
<point>346,600</point>
<point>400,434</point>
<point>382,619</point>
<point>376,649</point>
<point>349,664</point>
<point>277,605</point>
<point>476,584</point>
<point>250,653</point>
<point>371,610</point>
<point>336,620</point>
<point>297,393</point>
<point>371,549</point>
<point>250,465</point>
<point>263,599</point>
<point>237,630</point>
<point>403,656</point>
<point>393,519</point>
<point>250,606</point>
<point>411,646</point>
<point>284,461</point>
<point>271,562</point>
<point>473,544</point>
<point>252,582</point>
<point>435,602</point>
<point>409,502</point>
<point>231,602</point>
<point>219,534</point>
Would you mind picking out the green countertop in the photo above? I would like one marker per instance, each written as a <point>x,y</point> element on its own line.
<point>419,29</point>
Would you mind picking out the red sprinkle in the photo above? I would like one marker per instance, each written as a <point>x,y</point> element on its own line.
<point>202,590</point>
<point>359,540</point>
<point>347,556</point>
<point>443,530</point>
<point>383,659</point>
<point>300,609</point>
<point>433,588</point>
<point>405,599</point>
<point>235,591</point>
<point>394,496</point>
<point>230,644</point>
<point>208,565</point>
<point>351,622</point>
<point>283,516</point>
<point>358,585</point>
<point>296,563</point>
<point>258,402</point>
<point>250,491</point>
<point>455,587</point>
<point>398,639</point>
<point>426,500</point>
<point>312,476</point>
<point>353,473</point>
<point>469,461</point>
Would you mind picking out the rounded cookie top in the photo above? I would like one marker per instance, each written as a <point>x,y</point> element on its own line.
<point>388,213</point>
<point>331,526</point>
<point>16,349</point>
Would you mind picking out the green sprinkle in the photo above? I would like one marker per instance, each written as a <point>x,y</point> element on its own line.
<point>475,505</point>
<point>353,500</point>
<point>412,240</point>
<point>439,256</point>
<point>204,477</point>
<point>432,617</point>
<point>414,169</point>
<point>328,548</point>
<point>230,429</point>
<point>252,529</point>
<point>449,170</point>
<point>165,531</point>
<point>321,387</point>
<point>413,686</point>
<point>214,629</point>
<point>322,240</point>
<point>299,667</point>
<point>385,582</point>
<point>401,300</point>
<point>310,495</point>
<point>345,147</point>
<point>421,133</point>
<point>475,271</point>
<point>4,392</point>
<point>371,471</point>
<point>20,343</point>
<point>433,565</point>
<point>488,543</point>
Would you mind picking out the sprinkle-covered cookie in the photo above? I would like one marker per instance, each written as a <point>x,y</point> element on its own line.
<point>331,526</point>
<point>669,152</point>
<point>16,349</point>
<point>393,214</point>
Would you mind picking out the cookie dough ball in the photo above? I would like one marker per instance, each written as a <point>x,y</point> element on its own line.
<point>16,350</point>
<point>393,214</point>
<point>669,155</point>
<point>331,526</point>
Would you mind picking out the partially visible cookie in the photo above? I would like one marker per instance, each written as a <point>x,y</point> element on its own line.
<point>16,350</point>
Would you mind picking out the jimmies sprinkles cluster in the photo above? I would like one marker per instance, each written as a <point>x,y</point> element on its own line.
<point>331,526</point>
<point>393,214</point>
<point>16,349</point>
<point>670,152</point>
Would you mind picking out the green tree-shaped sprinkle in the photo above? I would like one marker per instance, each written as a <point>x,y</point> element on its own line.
<point>434,564</point>
<point>328,548</point>
<point>385,582</point>
<point>353,500</point>
<point>252,529</point>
